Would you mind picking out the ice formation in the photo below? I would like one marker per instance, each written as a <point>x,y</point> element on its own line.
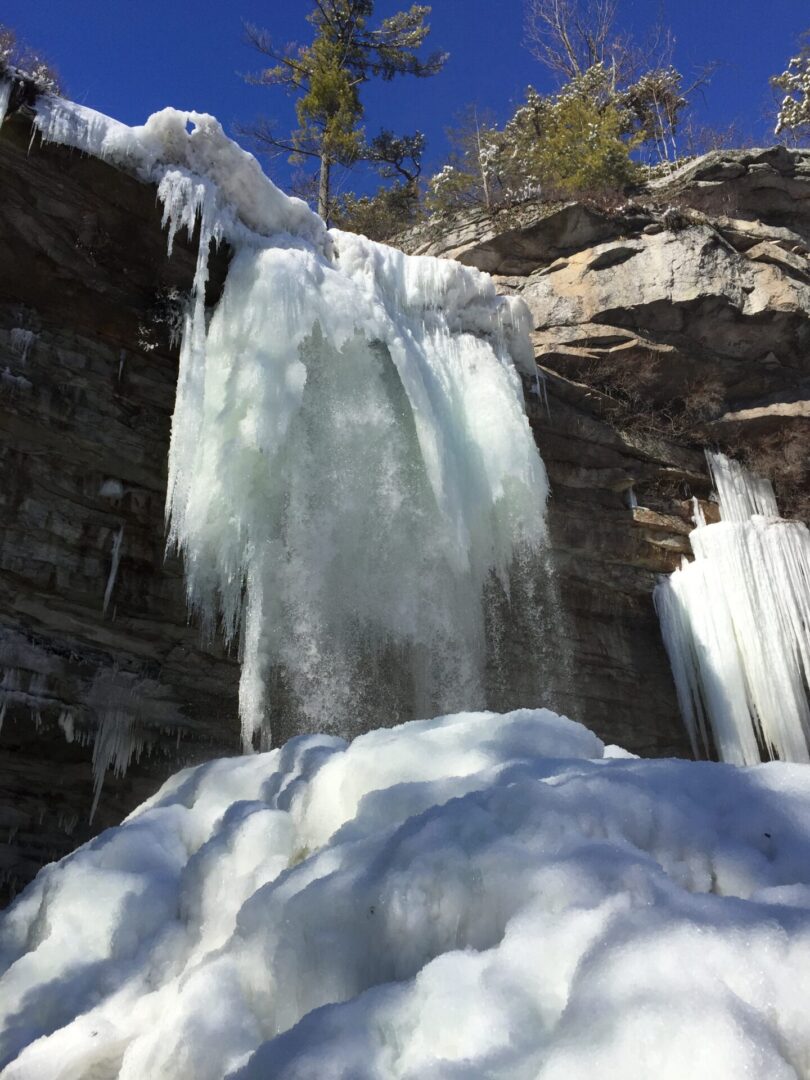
<point>736,625</point>
<point>115,562</point>
<point>350,464</point>
<point>478,896</point>
<point>6,86</point>
<point>21,339</point>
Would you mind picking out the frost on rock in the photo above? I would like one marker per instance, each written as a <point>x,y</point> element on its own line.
<point>478,896</point>
<point>351,464</point>
<point>736,625</point>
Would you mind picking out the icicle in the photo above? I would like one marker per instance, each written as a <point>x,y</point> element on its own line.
<point>6,86</point>
<point>541,388</point>
<point>740,493</point>
<point>115,560</point>
<point>115,700</point>
<point>736,624</point>
<point>21,342</point>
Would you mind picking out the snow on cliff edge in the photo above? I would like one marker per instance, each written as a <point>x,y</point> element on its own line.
<point>472,896</point>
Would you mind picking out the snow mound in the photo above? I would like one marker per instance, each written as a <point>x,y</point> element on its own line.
<point>473,896</point>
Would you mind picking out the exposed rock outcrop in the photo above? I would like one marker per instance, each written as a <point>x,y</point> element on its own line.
<point>678,320</point>
<point>96,654</point>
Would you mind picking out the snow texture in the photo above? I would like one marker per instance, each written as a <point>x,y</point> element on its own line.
<point>477,896</point>
<point>351,464</point>
<point>736,625</point>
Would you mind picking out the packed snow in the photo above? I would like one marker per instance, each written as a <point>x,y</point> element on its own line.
<point>351,466</point>
<point>736,624</point>
<point>480,895</point>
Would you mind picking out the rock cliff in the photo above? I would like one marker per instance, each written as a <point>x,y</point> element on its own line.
<point>677,319</point>
<point>97,660</point>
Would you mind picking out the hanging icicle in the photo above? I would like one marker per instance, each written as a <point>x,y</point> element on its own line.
<point>736,625</point>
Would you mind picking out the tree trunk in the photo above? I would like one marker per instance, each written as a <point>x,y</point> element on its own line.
<point>323,189</point>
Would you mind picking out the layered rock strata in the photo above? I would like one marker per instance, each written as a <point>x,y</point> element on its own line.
<point>677,320</point>
<point>99,668</point>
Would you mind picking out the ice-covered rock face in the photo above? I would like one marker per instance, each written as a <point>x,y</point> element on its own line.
<point>476,896</point>
<point>351,465</point>
<point>736,624</point>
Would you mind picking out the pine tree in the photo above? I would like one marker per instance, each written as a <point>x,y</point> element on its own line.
<point>326,77</point>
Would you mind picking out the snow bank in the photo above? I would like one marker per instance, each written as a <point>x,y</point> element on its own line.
<point>351,465</point>
<point>474,896</point>
<point>736,624</point>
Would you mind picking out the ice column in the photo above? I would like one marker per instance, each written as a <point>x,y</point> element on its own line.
<point>351,466</point>
<point>736,625</point>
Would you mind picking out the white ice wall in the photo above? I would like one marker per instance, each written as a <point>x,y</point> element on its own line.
<point>350,458</point>
<point>736,625</point>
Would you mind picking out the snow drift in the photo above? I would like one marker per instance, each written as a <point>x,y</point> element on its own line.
<point>351,466</point>
<point>473,896</point>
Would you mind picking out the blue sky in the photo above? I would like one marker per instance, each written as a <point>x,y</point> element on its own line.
<point>130,58</point>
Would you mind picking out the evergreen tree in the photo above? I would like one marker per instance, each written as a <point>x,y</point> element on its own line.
<point>326,77</point>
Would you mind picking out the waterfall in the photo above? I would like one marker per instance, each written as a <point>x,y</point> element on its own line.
<point>736,625</point>
<point>351,466</point>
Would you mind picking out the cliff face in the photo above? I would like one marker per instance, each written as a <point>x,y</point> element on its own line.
<point>678,320</point>
<point>703,304</point>
<point>95,646</point>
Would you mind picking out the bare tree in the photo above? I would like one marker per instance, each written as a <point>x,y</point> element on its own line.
<point>570,36</point>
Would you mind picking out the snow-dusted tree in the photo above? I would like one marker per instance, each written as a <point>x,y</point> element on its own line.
<point>326,76</point>
<point>14,54</point>
<point>794,111</point>
<point>574,37</point>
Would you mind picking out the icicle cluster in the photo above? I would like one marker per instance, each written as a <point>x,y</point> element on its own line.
<point>350,461</point>
<point>736,625</point>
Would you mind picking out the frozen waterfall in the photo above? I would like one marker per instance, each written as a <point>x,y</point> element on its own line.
<point>736,625</point>
<point>351,466</point>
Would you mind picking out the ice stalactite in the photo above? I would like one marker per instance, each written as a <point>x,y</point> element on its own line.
<point>21,339</point>
<point>6,86</point>
<point>115,562</point>
<point>350,460</point>
<point>115,701</point>
<point>736,625</point>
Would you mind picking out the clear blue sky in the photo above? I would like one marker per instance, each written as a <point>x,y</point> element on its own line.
<point>131,57</point>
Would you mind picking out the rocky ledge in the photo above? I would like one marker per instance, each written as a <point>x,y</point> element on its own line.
<point>676,320</point>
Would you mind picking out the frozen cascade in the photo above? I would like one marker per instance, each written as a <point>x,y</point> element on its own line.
<point>351,465</point>
<point>736,625</point>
